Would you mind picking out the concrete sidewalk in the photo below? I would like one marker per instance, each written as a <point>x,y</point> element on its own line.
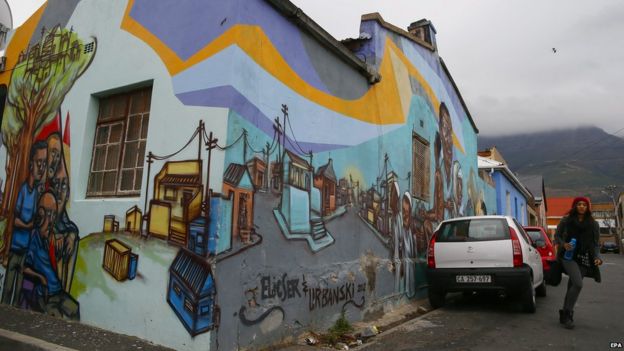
<point>384,321</point>
<point>26,330</point>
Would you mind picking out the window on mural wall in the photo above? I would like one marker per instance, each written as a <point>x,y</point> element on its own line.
<point>420,167</point>
<point>119,145</point>
<point>299,177</point>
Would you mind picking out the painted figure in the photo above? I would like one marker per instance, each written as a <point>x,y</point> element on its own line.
<point>397,243</point>
<point>50,296</point>
<point>459,209</point>
<point>446,135</point>
<point>24,214</point>
<point>408,245</point>
<point>65,231</point>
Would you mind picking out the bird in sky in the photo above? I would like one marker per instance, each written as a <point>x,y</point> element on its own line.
<point>554,50</point>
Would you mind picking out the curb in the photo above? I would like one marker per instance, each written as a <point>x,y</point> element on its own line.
<point>29,340</point>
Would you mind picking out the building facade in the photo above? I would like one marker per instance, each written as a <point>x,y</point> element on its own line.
<point>512,197</point>
<point>195,111</point>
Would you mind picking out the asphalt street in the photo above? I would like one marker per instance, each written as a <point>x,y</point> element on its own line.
<point>486,322</point>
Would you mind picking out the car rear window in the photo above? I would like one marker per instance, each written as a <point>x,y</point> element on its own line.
<point>473,230</point>
<point>534,234</point>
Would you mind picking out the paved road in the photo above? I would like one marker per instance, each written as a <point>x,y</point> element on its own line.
<point>490,323</point>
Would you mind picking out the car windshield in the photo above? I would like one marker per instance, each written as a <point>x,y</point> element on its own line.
<point>473,230</point>
<point>535,235</point>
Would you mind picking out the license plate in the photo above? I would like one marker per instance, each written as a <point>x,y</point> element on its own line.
<point>473,278</point>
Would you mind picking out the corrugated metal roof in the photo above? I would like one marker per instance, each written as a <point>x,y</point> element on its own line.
<point>192,270</point>
<point>181,179</point>
<point>559,206</point>
<point>234,173</point>
<point>297,159</point>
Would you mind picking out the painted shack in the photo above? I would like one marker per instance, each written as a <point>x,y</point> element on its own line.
<point>191,292</point>
<point>119,261</point>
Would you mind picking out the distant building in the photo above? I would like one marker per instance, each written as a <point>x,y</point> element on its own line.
<point>538,204</point>
<point>191,292</point>
<point>558,207</point>
<point>512,196</point>
<point>604,213</point>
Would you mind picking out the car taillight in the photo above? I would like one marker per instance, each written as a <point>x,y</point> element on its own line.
<point>431,251</point>
<point>517,250</point>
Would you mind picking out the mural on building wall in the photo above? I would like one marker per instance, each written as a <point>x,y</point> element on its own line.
<point>316,210</point>
<point>308,167</point>
<point>39,240</point>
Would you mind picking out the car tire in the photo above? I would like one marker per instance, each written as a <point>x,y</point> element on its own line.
<point>437,298</point>
<point>541,290</point>
<point>528,298</point>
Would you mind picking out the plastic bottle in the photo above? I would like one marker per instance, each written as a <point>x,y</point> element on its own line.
<point>569,254</point>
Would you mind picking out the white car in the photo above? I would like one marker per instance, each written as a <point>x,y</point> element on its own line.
<point>484,253</point>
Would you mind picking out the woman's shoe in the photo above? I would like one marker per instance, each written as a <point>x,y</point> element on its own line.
<point>569,321</point>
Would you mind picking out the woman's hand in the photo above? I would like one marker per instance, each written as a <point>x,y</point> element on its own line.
<point>597,261</point>
<point>567,246</point>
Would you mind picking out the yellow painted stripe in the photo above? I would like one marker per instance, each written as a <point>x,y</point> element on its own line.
<point>385,96</point>
<point>19,42</point>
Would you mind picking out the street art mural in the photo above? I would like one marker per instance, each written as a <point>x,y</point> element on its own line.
<point>39,241</point>
<point>300,190</point>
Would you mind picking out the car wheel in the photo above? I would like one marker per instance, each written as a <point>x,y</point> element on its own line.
<point>437,298</point>
<point>528,298</point>
<point>541,290</point>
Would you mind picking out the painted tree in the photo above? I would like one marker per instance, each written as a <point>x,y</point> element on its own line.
<point>42,77</point>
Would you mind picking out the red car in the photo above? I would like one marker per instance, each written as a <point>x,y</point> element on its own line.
<point>543,244</point>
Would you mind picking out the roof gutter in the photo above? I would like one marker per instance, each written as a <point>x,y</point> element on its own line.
<point>294,13</point>
<point>509,174</point>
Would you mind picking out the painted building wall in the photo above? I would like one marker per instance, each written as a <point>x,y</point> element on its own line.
<point>517,205</point>
<point>220,74</point>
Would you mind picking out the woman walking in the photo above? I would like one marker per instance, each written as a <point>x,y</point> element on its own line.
<point>584,258</point>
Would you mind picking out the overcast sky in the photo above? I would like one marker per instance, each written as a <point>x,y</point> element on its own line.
<point>500,55</point>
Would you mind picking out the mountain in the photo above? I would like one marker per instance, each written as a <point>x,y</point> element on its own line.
<point>579,161</point>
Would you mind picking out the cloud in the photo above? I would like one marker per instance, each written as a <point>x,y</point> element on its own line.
<point>500,55</point>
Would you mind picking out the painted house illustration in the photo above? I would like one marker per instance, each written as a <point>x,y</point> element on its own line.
<point>325,181</point>
<point>119,261</point>
<point>191,292</point>
<point>134,216</point>
<point>177,200</point>
<point>257,170</point>
<point>238,185</point>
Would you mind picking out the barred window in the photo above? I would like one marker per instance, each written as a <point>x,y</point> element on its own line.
<point>420,167</point>
<point>119,145</point>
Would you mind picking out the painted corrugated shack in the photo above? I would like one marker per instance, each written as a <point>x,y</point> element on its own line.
<point>119,260</point>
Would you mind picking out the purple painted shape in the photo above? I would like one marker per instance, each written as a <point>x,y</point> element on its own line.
<point>229,97</point>
<point>189,25</point>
